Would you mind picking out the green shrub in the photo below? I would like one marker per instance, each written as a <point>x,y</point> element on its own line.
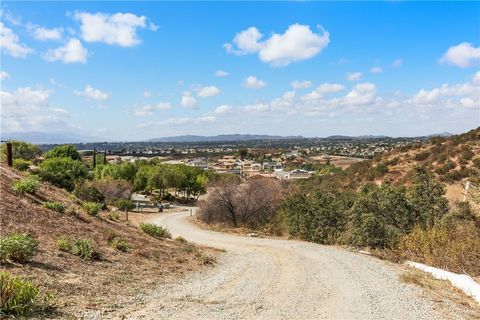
<point>62,172</point>
<point>124,204</point>
<point>449,165</point>
<point>20,297</point>
<point>18,247</point>
<point>84,249</point>
<point>29,184</point>
<point>22,165</point>
<point>65,151</point>
<point>88,192</point>
<point>64,244</point>
<point>120,245</point>
<point>55,206</point>
<point>92,208</point>
<point>154,230</point>
<point>114,215</point>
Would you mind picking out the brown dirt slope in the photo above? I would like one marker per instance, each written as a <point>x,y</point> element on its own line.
<point>75,283</point>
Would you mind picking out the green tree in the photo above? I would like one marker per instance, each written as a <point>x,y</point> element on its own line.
<point>22,150</point>
<point>64,151</point>
<point>62,172</point>
<point>426,197</point>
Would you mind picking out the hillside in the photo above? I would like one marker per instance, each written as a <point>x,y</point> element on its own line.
<point>78,284</point>
<point>453,160</point>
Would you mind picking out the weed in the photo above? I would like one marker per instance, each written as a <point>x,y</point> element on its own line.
<point>18,247</point>
<point>84,249</point>
<point>154,230</point>
<point>64,244</point>
<point>92,208</point>
<point>55,206</point>
<point>120,245</point>
<point>29,184</point>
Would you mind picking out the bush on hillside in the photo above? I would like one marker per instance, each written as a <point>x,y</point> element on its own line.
<point>18,247</point>
<point>84,249</point>
<point>64,151</point>
<point>22,150</point>
<point>29,184</point>
<point>92,208</point>
<point>55,206</point>
<point>421,156</point>
<point>154,230</point>
<point>62,172</point>
<point>20,297</point>
<point>21,165</point>
<point>87,192</point>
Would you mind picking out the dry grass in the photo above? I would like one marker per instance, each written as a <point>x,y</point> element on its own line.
<point>447,297</point>
<point>75,283</point>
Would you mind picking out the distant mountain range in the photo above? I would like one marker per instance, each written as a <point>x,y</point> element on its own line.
<point>67,137</point>
<point>223,137</point>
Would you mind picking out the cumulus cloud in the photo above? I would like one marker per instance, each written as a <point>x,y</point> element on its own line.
<point>462,55</point>
<point>221,73</point>
<point>4,75</point>
<point>254,83</point>
<point>296,84</point>
<point>223,109</point>
<point>188,101</point>
<point>208,91</point>
<point>361,94</point>
<point>376,70</point>
<point>354,76</point>
<point>72,52</point>
<point>27,109</point>
<point>45,34</point>
<point>91,93</point>
<point>257,107</point>
<point>297,43</point>
<point>468,94</point>
<point>115,29</point>
<point>10,43</point>
<point>322,89</point>
<point>149,109</point>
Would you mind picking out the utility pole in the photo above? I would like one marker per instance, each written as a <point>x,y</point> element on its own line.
<point>105,156</point>
<point>94,157</point>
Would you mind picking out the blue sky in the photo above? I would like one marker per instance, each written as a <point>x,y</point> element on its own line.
<point>133,71</point>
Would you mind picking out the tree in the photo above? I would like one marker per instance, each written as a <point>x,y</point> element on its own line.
<point>242,153</point>
<point>64,151</point>
<point>22,150</point>
<point>250,204</point>
<point>62,172</point>
<point>426,198</point>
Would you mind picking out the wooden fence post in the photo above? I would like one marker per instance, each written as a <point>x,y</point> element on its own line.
<point>9,154</point>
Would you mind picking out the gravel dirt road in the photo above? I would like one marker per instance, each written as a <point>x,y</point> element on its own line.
<point>282,279</point>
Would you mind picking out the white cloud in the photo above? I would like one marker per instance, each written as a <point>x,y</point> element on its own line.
<point>296,44</point>
<point>476,77</point>
<point>223,109</point>
<point>188,101</point>
<point>462,55</point>
<point>27,109</point>
<point>72,52</point>
<point>147,94</point>
<point>321,90</point>
<point>91,93</point>
<point>4,75</point>
<point>397,63</point>
<point>354,76</point>
<point>116,29</point>
<point>221,73</point>
<point>209,91</point>
<point>361,94</point>
<point>257,107</point>
<point>45,34</point>
<point>10,43</point>
<point>254,83</point>
<point>148,109</point>
<point>296,84</point>
<point>376,70</point>
<point>468,94</point>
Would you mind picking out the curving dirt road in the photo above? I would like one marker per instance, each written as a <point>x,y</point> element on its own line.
<point>282,279</point>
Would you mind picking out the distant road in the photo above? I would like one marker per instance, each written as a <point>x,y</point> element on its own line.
<point>281,279</point>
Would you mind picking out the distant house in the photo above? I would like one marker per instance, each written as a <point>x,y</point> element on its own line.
<point>199,163</point>
<point>299,174</point>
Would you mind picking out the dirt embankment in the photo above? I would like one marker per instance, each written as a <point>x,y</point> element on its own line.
<point>79,284</point>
